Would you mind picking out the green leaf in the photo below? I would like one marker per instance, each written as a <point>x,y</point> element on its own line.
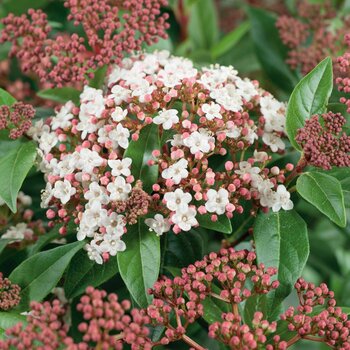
<point>16,166</point>
<point>223,224</point>
<point>309,97</point>
<point>98,80</point>
<point>61,95</point>
<point>4,242</point>
<point>39,274</point>
<point>83,272</point>
<point>43,241</point>
<point>140,152</point>
<point>214,308</point>
<point>325,193</point>
<point>9,319</point>
<point>139,264</point>
<point>19,7</point>
<point>203,24</point>
<point>183,250</point>
<point>281,241</point>
<point>230,40</point>
<point>270,50</point>
<point>6,98</point>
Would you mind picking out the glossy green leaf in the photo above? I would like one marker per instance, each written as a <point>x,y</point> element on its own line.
<point>61,95</point>
<point>230,40</point>
<point>325,193</point>
<point>43,241</point>
<point>139,264</point>
<point>39,274</point>
<point>3,243</point>
<point>6,98</point>
<point>270,50</point>
<point>281,241</point>
<point>16,166</point>
<point>83,272</point>
<point>140,152</point>
<point>309,97</point>
<point>203,24</point>
<point>223,224</point>
<point>98,80</point>
<point>9,319</point>
<point>19,7</point>
<point>182,250</point>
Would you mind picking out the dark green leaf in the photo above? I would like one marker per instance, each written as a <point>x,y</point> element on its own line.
<point>230,40</point>
<point>270,50</point>
<point>61,95</point>
<point>9,319</point>
<point>98,80</point>
<point>309,97</point>
<point>203,24</point>
<point>281,241</point>
<point>3,243</point>
<point>214,308</point>
<point>83,272</point>
<point>43,241</point>
<point>185,249</point>
<point>19,7</point>
<point>223,224</point>
<point>16,166</point>
<point>325,193</point>
<point>39,274</point>
<point>6,98</point>
<point>140,152</point>
<point>139,264</point>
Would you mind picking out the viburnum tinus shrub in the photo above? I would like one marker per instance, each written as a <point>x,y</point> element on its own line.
<point>141,172</point>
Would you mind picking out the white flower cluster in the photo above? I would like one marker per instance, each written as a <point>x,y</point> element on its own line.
<point>81,149</point>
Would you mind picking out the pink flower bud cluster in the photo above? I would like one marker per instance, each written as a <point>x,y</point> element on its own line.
<point>200,116</point>
<point>16,118</point>
<point>317,318</point>
<point>109,34</point>
<point>9,294</point>
<point>343,80</point>
<point>238,335</point>
<point>313,21</point>
<point>21,229</point>
<point>324,142</point>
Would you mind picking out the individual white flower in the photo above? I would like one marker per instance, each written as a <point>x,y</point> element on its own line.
<point>159,225</point>
<point>94,215</point>
<point>275,122</point>
<point>167,118</point>
<point>141,89</point>
<point>18,233</point>
<point>246,168</point>
<point>267,197</point>
<point>228,97</point>
<point>119,190</point>
<point>261,184</point>
<point>177,200</point>
<point>63,118</point>
<point>87,160</point>
<point>251,135</point>
<point>90,94</point>
<point>96,193</point>
<point>217,201</point>
<point>93,252</point>
<point>92,108</point>
<point>85,230</point>
<point>199,141</point>
<point>114,224</point>
<point>64,167</point>
<point>37,129</point>
<point>121,136</point>
<point>246,89</point>
<point>87,126</point>
<point>177,140</point>
<point>120,166</point>
<point>233,131</point>
<point>270,106</point>
<point>176,171</point>
<point>273,141</point>
<point>185,219</point>
<point>120,94</point>
<point>112,244</point>
<point>48,140</point>
<point>212,111</point>
<point>119,114</point>
<point>282,199</point>
<point>169,80</point>
<point>63,190</point>
<point>260,157</point>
